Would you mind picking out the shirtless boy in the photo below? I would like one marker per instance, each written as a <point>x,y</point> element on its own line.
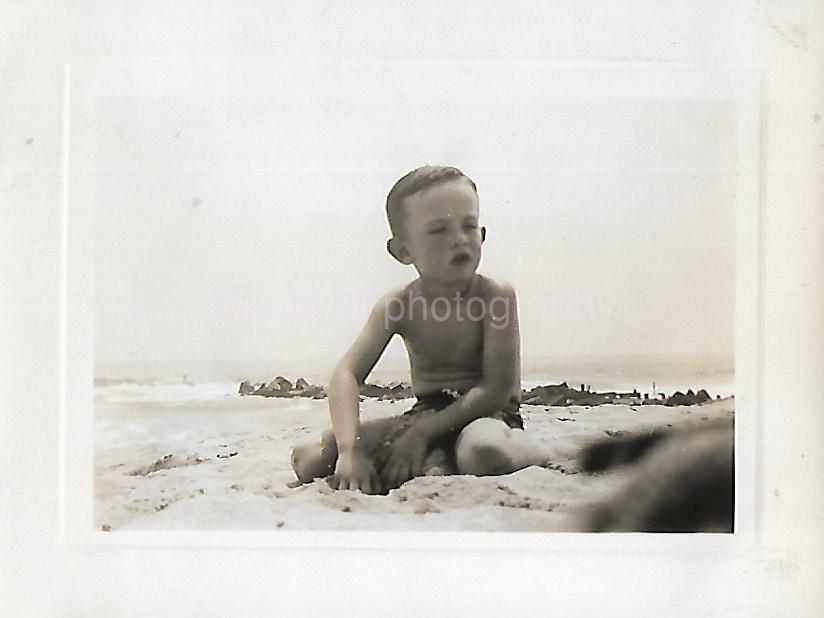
<point>460,329</point>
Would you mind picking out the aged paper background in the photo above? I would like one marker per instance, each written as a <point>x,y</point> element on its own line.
<point>45,572</point>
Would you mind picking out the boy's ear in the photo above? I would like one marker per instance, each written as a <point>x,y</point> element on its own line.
<point>483,234</point>
<point>398,251</point>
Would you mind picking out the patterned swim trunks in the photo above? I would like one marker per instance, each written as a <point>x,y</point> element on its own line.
<point>443,451</point>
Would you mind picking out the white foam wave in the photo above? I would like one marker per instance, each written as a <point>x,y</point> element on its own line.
<point>166,392</point>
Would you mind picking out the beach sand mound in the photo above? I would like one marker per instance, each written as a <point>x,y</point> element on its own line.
<point>165,463</point>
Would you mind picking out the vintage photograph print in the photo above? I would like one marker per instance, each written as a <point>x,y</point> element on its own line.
<point>352,296</point>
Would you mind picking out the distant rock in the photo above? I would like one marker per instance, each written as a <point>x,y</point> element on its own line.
<point>680,399</point>
<point>629,400</point>
<point>397,390</point>
<point>554,395</point>
<point>314,391</point>
<point>302,388</point>
<point>277,387</point>
<point>246,388</point>
<point>399,386</point>
<point>702,396</point>
<point>372,390</point>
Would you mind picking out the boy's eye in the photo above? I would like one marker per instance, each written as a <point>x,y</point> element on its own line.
<point>470,226</point>
<point>437,230</point>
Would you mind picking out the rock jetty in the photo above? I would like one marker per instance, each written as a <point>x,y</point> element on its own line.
<point>548,395</point>
<point>563,395</point>
<point>281,387</point>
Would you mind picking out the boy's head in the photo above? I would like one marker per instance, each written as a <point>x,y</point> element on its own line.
<point>433,216</point>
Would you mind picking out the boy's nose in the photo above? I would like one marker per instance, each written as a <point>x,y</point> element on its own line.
<point>459,238</point>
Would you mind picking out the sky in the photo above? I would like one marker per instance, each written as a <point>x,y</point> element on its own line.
<point>247,222</point>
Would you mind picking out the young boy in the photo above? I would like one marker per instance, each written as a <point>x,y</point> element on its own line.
<point>460,329</point>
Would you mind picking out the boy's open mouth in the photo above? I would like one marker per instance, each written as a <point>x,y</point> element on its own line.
<point>460,259</point>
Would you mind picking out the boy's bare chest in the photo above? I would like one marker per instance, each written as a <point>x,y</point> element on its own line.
<point>449,342</point>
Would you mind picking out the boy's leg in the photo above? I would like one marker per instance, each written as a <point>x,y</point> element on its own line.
<point>311,460</point>
<point>487,446</point>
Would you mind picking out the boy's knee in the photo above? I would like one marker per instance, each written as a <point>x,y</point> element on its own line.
<point>311,460</point>
<point>481,448</point>
<point>302,454</point>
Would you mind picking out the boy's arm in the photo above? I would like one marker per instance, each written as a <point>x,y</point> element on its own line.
<point>353,470</point>
<point>501,372</point>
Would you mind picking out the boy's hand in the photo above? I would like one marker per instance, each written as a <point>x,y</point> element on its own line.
<point>354,470</point>
<point>407,457</point>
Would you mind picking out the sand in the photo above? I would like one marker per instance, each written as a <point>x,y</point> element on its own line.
<point>215,460</point>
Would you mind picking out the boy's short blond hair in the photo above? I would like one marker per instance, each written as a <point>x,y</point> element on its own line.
<point>415,181</point>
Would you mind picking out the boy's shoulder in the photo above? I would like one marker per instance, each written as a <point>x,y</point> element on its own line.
<point>390,309</point>
<point>489,288</point>
<point>397,294</point>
